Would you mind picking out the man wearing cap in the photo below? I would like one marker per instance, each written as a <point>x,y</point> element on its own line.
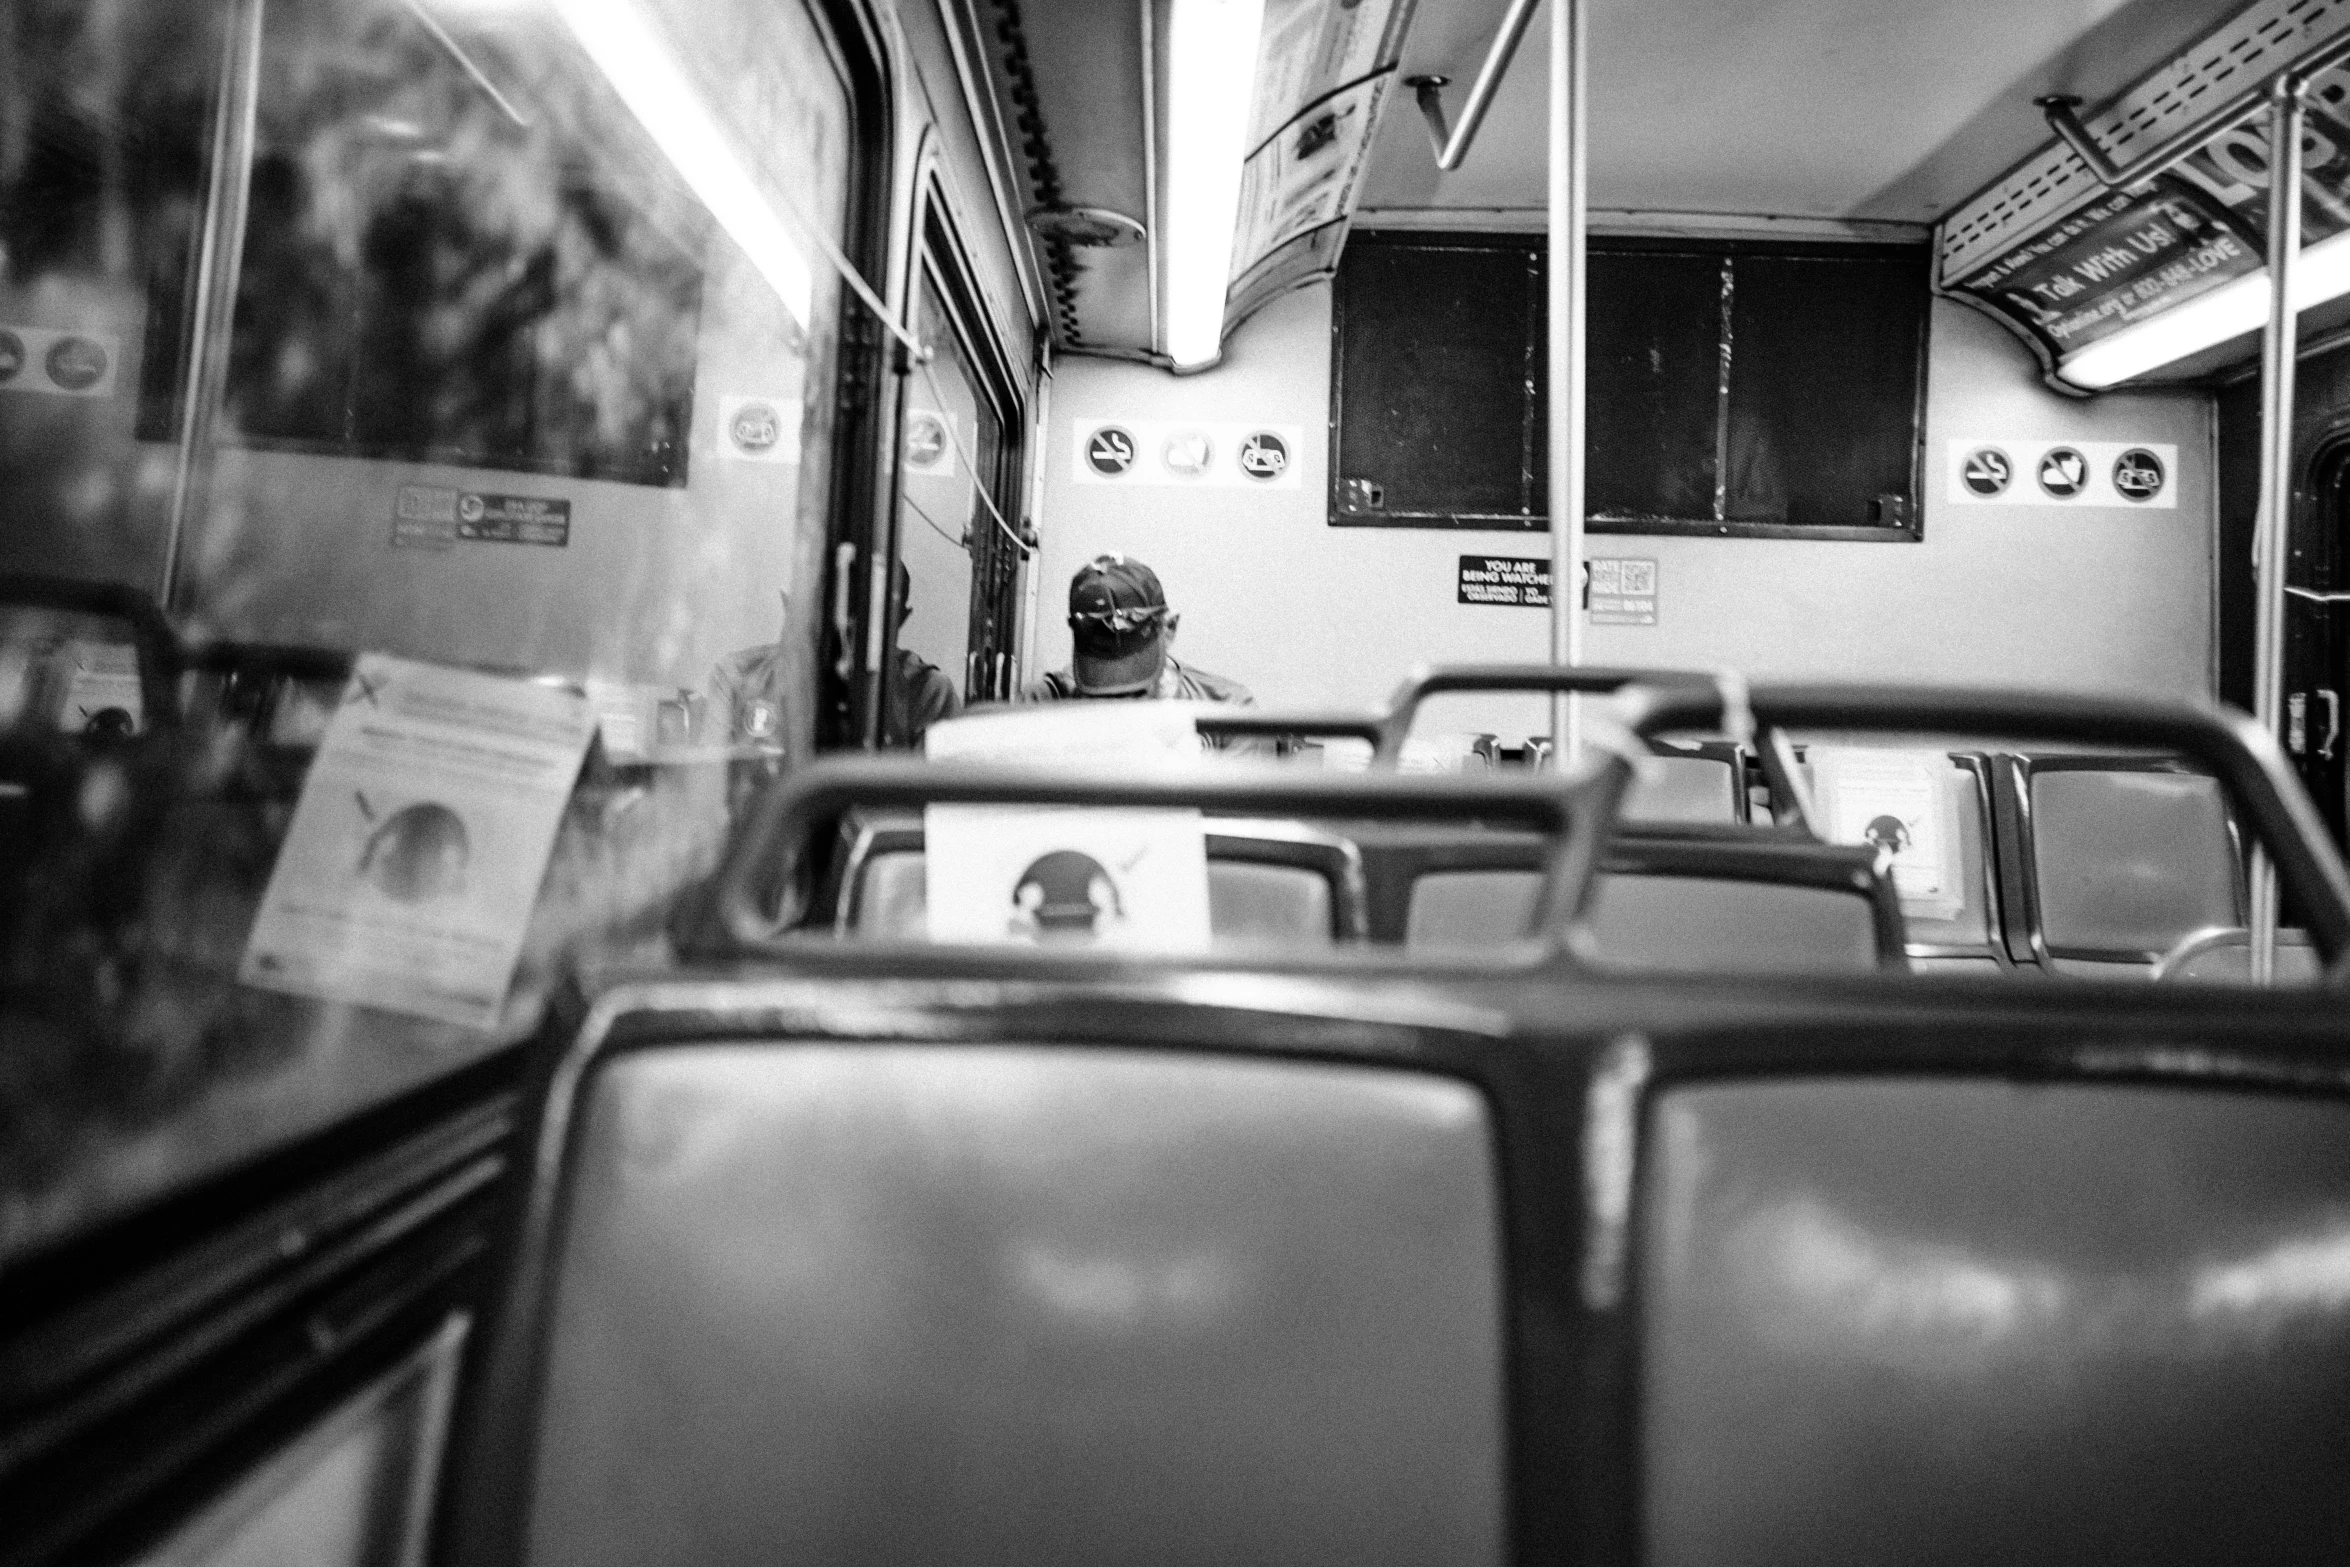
<point>1122,629</point>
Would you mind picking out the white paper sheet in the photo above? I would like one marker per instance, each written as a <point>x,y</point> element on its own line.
<point>1069,876</point>
<point>416,851</point>
<point>1897,801</point>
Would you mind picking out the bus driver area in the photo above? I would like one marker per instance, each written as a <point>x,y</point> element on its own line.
<point>1316,780</point>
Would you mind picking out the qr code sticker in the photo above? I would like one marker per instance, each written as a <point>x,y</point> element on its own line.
<point>1638,577</point>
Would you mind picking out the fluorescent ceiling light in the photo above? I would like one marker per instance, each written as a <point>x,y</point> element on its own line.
<point>637,60</point>
<point>2237,306</point>
<point>1211,79</point>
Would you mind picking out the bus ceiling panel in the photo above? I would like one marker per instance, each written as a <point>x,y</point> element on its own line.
<point>2163,279</point>
<point>1086,91</point>
<point>1828,111</point>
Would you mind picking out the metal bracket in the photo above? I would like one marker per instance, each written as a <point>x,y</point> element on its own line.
<point>1428,92</point>
<point>1452,143</point>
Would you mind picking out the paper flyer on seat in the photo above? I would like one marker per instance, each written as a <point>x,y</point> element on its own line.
<point>409,873</point>
<point>1069,876</point>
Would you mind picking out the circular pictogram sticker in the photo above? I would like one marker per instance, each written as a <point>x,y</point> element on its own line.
<point>1986,471</point>
<point>926,440</point>
<point>1264,455</point>
<point>471,508</point>
<point>1188,454</point>
<point>1109,451</point>
<point>76,363</point>
<point>2063,471</point>
<point>756,429</point>
<point>11,355</point>
<point>2138,475</point>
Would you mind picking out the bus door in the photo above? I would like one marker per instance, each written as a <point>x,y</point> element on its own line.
<point>955,599</point>
<point>2317,640</point>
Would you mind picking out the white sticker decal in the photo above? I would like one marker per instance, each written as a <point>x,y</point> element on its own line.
<point>1217,453</point>
<point>2125,475</point>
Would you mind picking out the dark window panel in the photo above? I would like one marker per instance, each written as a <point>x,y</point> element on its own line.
<point>1653,373</point>
<point>1824,358</point>
<point>1436,350</point>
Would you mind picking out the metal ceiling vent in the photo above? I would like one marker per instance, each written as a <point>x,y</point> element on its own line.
<point>1087,228</point>
<point>2053,181</point>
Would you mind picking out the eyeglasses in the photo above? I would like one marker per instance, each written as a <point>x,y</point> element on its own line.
<point>1119,621</point>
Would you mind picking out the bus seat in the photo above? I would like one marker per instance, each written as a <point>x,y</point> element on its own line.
<point>2127,861</point>
<point>1721,924</point>
<point>2225,956</point>
<point>1708,905</point>
<point>1685,788</point>
<point>1275,884</point>
<point>1468,910</point>
<point>1056,1305</point>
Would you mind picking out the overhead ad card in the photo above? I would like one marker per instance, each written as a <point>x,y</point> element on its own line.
<point>408,876</point>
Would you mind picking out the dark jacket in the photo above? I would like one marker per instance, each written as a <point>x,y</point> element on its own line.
<point>920,696</point>
<point>1177,683</point>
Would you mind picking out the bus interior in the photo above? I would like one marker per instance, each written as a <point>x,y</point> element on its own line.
<point>1718,933</point>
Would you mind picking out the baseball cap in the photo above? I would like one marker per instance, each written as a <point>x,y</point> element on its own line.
<point>1116,608</point>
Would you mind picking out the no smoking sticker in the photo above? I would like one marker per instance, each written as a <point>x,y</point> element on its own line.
<point>1193,453</point>
<point>2132,475</point>
<point>1987,471</point>
<point>1109,451</point>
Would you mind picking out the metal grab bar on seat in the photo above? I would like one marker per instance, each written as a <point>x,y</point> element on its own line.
<point>768,850</point>
<point>1778,762</point>
<point>2245,759</point>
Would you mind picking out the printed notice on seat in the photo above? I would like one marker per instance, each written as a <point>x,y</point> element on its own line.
<point>1069,876</point>
<point>414,859</point>
<point>1897,802</point>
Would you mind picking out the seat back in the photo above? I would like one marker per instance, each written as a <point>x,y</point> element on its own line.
<point>1269,884</point>
<point>2124,859</point>
<point>805,1299</point>
<point>1715,903</point>
<point>1696,785</point>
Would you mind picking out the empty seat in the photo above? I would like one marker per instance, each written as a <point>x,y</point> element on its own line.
<point>1720,924</point>
<point>1676,917</point>
<point>1048,1305</point>
<point>2127,862</point>
<point>1685,788</point>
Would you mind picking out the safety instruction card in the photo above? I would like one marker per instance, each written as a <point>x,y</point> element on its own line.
<point>408,876</point>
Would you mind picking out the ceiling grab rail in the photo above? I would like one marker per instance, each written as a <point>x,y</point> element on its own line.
<point>2063,113</point>
<point>1451,144</point>
<point>2243,756</point>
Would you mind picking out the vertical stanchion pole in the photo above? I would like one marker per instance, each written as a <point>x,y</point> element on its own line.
<point>2287,112</point>
<point>1568,47</point>
<point>213,300</point>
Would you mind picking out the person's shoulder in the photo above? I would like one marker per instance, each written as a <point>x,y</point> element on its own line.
<point>1213,687</point>
<point>1057,685</point>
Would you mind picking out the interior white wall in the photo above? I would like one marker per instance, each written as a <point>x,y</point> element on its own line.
<point>1310,615</point>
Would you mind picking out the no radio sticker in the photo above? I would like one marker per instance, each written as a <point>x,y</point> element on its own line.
<point>1201,453</point>
<point>2116,475</point>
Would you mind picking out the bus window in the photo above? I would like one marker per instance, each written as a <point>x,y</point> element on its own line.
<point>497,338</point>
<point>950,429</point>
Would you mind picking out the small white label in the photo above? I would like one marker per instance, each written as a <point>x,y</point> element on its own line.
<point>64,362</point>
<point>759,429</point>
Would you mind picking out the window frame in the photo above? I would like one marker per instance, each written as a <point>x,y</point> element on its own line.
<point>1910,530</point>
<point>939,259</point>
